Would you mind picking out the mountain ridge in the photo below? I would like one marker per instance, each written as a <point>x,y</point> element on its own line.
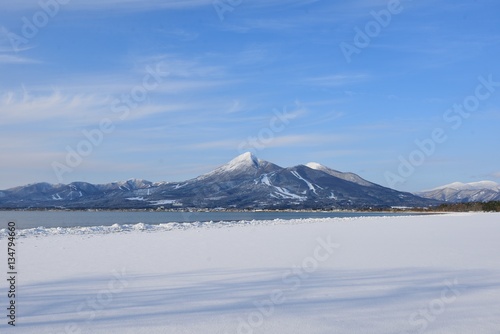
<point>243,182</point>
<point>458,192</point>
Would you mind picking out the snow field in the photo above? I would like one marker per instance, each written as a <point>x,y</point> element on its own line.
<point>432,274</point>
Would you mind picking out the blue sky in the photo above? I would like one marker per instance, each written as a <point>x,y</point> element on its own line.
<point>167,90</point>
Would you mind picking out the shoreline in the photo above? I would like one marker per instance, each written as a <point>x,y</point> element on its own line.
<point>422,211</point>
<point>118,228</point>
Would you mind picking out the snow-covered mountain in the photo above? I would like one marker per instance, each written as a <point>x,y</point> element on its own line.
<point>344,176</point>
<point>244,165</point>
<point>244,182</point>
<point>482,191</point>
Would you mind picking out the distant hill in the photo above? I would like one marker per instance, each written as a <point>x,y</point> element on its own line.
<point>483,191</point>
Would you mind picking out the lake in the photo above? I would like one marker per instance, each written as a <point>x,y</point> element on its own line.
<point>32,219</point>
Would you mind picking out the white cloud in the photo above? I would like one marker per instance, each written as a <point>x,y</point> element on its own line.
<point>13,59</point>
<point>217,144</point>
<point>306,140</point>
<point>123,5</point>
<point>86,99</point>
<point>236,106</point>
<point>277,141</point>
<point>336,80</point>
<point>29,107</point>
<point>180,34</point>
<point>254,54</point>
<point>84,109</point>
<point>177,66</point>
<point>145,4</point>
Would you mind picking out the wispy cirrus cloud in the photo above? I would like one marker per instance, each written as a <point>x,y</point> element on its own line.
<point>90,97</point>
<point>146,5</point>
<point>184,35</point>
<point>276,142</point>
<point>15,59</point>
<point>29,107</point>
<point>226,78</point>
<point>179,66</point>
<point>336,80</point>
<point>254,54</point>
<point>123,5</point>
<point>72,109</point>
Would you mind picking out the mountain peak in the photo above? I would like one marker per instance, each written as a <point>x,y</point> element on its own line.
<point>351,177</point>
<point>315,165</point>
<point>247,159</point>
<point>242,163</point>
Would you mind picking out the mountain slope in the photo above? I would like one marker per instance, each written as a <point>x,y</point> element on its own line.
<point>244,182</point>
<point>345,176</point>
<point>482,191</point>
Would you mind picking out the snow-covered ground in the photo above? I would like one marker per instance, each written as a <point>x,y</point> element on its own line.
<point>432,274</point>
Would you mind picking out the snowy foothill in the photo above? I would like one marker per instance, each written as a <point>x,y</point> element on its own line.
<point>411,274</point>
